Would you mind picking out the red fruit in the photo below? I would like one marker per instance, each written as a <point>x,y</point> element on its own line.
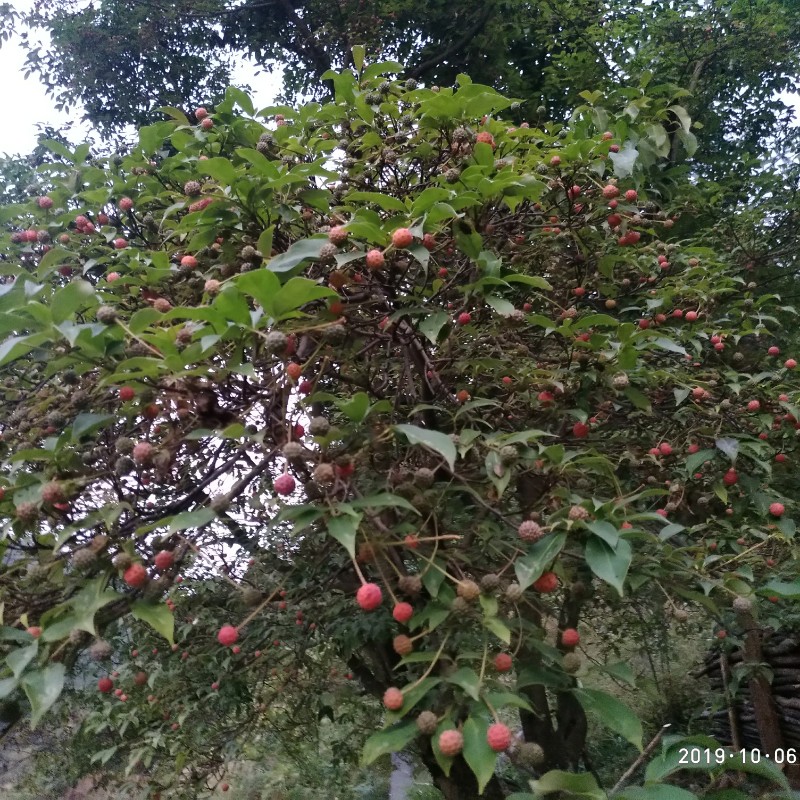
<point>774,351</point>
<point>614,220</point>
<point>393,698</point>
<point>135,576</point>
<point>721,634</point>
<point>34,630</point>
<point>140,679</point>
<point>402,237</point>
<point>127,393</point>
<point>403,612</point>
<point>200,113</point>
<point>555,161</point>
<point>305,387</point>
<point>102,218</point>
<point>730,477</point>
<point>503,662</point>
<point>105,685</point>
<point>463,396</point>
<point>698,392</point>
<point>464,318</point>
<point>126,204</point>
<point>690,316</point>
<point>369,596</point>
<point>790,363</point>
<point>776,509</point>
<point>644,324</point>
<point>294,370</point>
<point>580,429</point>
<point>780,458</point>
<point>120,243</point>
<point>284,484</point>
<point>661,512</point>
<point>631,195</point>
<point>375,259</point>
<point>451,742</point>
<point>189,262</point>
<point>44,202</point>
<point>610,191</point>
<point>547,583</point>
<point>428,241</point>
<point>337,235</point>
<point>753,405</point>
<point>207,124</point>
<point>665,448</point>
<point>545,397</point>
<point>164,560</point>
<point>486,138</point>
<point>570,637</point>
<point>224,787</point>
<point>227,635</point>
<point>499,737</point>
<point>579,291</point>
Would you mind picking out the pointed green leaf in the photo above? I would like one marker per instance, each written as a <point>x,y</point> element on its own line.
<point>434,440</point>
<point>613,713</point>
<point>609,564</point>
<point>157,616</point>
<point>344,529</point>
<point>191,519</point>
<point>530,567</point>
<point>43,688</point>
<point>477,753</point>
<point>569,785</point>
<point>468,680</point>
<point>390,740</point>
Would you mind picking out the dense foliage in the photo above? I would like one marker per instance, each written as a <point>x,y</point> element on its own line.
<point>386,400</point>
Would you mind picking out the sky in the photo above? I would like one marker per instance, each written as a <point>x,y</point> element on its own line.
<point>31,105</point>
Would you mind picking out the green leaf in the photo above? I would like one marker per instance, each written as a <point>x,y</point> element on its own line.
<point>191,519</point>
<point>390,740</point>
<point>638,399</point>
<point>18,659</point>
<point>609,564</point>
<point>568,785</point>
<point>91,598</point>
<point>697,459</point>
<point>385,201</point>
<point>157,616</point>
<point>434,440</point>
<point>605,530</point>
<point>89,423</point>
<point>535,281</point>
<point>468,680</point>
<point>43,688</point>
<point>383,500</point>
<point>432,325</point>
<point>298,253</point>
<point>530,567</point>
<point>657,792</point>
<point>296,293</point>
<point>241,99</point>
<point>785,589</point>
<point>218,168</point>
<point>67,300</point>
<point>498,628</point>
<point>344,529</point>
<point>260,284</point>
<point>413,696</point>
<point>613,713</point>
<point>477,753</point>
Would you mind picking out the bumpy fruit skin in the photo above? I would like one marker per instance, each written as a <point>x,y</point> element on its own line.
<point>402,237</point>
<point>503,662</point>
<point>105,685</point>
<point>44,202</point>
<point>227,635</point>
<point>464,318</point>
<point>369,596</point>
<point>284,484</point>
<point>294,370</point>
<point>403,612</point>
<point>486,138</point>
<point>142,453</point>
<point>120,243</point>
<point>127,393</point>
<point>776,509</point>
<point>375,259</point>
<point>126,204</point>
<point>469,590</point>
<point>164,560</point>
<point>570,637</point>
<point>135,576</point>
<point>427,722</point>
<point>402,645</point>
<point>499,737</point>
<point>547,583</point>
<point>337,235</point>
<point>580,430</point>
<point>52,492</point>
<point>610,191</point>
<point>451,742</point>
<point>393,698</point>
<point>730,477</point>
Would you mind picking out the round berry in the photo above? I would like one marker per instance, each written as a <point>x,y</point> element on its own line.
<point>105,685</point>
<point>135,576</point>
<point>776,509</point>
<point>451,742</point>
<point>375,259</point>
<point>393,698</point>
<point>227,635</point>
<point>369,596</point>
<point>402,237</point>
<point>503,662</point>
<point>284,484</point>
<point>570,637</point>
<point>164,560</point>
<point>403,612</point>
<point>498,736</point>
<point>547,583</point>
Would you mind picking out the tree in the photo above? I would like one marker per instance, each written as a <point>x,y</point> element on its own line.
<point>388,386</point>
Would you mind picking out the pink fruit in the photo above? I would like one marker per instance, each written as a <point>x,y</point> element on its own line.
<point>34,630</point>
<point>105,685</point>
<point>207,124</point>
<point>126,204</point>
<point>369,596</point>
<point>120,243</point>
<point>164,560</point>
<point>547,583</point>
<point>498,736</point>
<point>570,637</point>
<point>486,138</point>
<point>730,477</point>
<point>610,191</point>
<point>284,484</point>
<point>402,237</point>
<point>189,262</point>
<point>393,698</point>
<point>580,429</point>
<point>375,259</point>
<point>790,363</point>
<point>135,576</point>
<point>776,509</point>
<point>403,612</point>
<point>451,742</point>
<point>690,316</point>
<point>112,276</point>
<point>337,235</point>
<point>227,635</point>
<point>200,113</point>
<point>464,318</point>
<point>774,351</point>
<point>503,662</point>
<point>45,202</point>
<point>127,393</point>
